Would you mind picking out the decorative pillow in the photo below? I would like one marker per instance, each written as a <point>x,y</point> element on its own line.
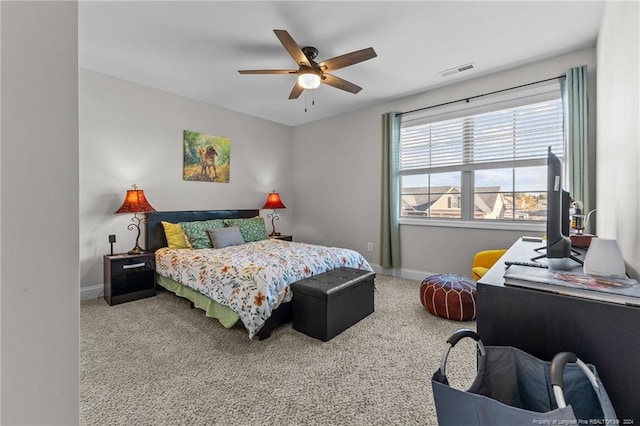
<point>196,232</point>
<point>224,237</point>
<point>251,229</point>
<point>175,235</point>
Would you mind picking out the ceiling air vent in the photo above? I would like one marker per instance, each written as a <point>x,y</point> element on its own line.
<point>457,69</point>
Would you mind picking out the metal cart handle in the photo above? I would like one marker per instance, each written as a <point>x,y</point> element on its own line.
<point>454,339</point>
<point>557,368</point>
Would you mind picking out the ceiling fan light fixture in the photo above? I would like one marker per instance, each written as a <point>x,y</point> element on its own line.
<point>309,79</point>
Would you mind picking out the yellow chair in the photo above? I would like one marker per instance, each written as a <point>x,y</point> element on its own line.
<point>483,261</point>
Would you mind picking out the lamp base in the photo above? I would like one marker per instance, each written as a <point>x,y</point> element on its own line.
<point>274,216</point>
<point>136,250</point>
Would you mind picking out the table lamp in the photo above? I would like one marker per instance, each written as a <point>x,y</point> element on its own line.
<point>273,202</point>
<point>135,202</point>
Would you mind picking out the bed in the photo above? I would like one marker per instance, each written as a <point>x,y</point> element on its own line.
<point>247,282</point>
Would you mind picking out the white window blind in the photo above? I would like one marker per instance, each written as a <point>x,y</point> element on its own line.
<point>506,137</point>
<point>490,154</point>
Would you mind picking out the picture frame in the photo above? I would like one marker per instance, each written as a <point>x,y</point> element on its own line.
<point>206,158</point>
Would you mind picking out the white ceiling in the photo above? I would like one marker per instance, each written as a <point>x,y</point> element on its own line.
<point>194,49</point>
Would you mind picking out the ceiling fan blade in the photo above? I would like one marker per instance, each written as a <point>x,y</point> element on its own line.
<point>339,83</point>
<point>292,47</point>
<point>268,71</point>
<point>296,91</point>
<point>348,59</point>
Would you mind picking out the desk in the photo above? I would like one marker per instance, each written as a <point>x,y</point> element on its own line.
<point>606,335</point>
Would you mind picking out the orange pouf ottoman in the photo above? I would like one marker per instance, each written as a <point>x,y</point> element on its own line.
<point>449,296</point>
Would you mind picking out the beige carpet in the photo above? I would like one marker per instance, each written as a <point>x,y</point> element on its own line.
<point>158,362</point>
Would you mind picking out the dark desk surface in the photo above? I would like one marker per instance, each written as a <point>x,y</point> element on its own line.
<point>542,324</point>
<point>524,251</point>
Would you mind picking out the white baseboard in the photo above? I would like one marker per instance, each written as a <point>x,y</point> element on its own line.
<point>92,292</point>
<point>410,274</point>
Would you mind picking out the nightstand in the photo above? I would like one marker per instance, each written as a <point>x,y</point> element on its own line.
<point>281,237</point>
<point>129,277</point>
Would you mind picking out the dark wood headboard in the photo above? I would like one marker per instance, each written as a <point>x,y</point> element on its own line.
<point>155,237</point>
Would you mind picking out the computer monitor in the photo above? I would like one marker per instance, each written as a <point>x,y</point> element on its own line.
<point>558,242</point>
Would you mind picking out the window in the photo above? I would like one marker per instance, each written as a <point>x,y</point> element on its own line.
<point>485,163</point>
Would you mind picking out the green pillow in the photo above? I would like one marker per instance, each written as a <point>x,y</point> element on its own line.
<point>251,229</point>
<point>196,232</point>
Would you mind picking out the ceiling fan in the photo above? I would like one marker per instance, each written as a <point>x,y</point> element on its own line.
<point>310,73</point>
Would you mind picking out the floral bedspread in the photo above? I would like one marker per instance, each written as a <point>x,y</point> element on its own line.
<point>253,278</point>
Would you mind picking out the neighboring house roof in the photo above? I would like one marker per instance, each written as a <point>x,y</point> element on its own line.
<point>419,199</point>
<point>486,198</point>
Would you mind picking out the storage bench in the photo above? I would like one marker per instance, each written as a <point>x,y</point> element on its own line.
<point>325,305</point>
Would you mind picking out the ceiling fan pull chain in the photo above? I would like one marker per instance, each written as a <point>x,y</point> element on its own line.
<point>305,101</point>
<point>313,99</point>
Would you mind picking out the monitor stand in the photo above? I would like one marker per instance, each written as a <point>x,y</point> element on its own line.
<point>544,255</point>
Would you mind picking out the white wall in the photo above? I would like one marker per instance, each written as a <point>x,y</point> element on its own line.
<point>618,144</point>
<point>39,214</point>
<point>133,134</point>
<point>337,170</point>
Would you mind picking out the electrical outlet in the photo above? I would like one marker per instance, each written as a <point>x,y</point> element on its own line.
<point>369,246</point>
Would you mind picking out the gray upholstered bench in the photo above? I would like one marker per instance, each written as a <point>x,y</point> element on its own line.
<point>325,305</point>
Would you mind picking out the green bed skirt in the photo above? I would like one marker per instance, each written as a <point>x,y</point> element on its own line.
<point>212,309</point>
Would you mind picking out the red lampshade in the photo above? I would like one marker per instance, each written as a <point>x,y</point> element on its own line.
<point>274,202</point>
<point>135,202</point>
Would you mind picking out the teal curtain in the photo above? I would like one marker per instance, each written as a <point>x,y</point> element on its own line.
<point>574,99</point>
<point>390,230</point>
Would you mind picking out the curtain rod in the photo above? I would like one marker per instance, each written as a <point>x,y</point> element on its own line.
<point>479,96</point>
